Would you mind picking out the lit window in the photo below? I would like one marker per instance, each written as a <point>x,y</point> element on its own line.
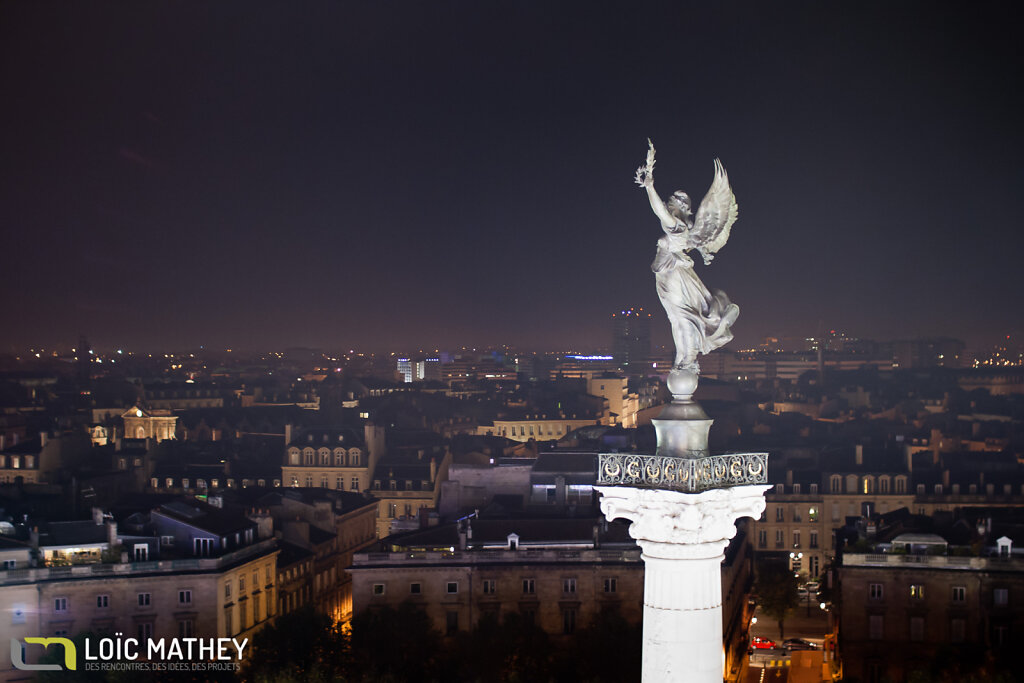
<point>917,591</point>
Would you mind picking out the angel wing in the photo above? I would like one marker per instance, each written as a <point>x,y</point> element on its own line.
<point>717,212</point>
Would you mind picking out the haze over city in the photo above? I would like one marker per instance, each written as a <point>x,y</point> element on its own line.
<point>427,175</point>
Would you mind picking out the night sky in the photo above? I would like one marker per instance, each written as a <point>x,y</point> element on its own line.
<point>412,174</point>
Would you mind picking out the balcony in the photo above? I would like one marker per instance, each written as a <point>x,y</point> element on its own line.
<point>33,575</point>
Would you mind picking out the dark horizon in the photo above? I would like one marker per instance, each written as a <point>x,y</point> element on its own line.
<point>255,175</point>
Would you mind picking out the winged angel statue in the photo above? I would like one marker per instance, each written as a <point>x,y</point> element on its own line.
<point>700,320</point>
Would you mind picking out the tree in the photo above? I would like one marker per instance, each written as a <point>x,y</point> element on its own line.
<point>776,588</point>
<point>304,645</point>
<point>395,644</point>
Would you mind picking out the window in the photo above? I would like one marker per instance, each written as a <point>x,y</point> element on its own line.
<point>813,489</point>
<point>569,585</point>
<point>959,593</point>
<point>414,589</point>
<point>354,484</point>
<point>60,604</point>
<point>569,620</point>
<point>796,488</point>
<point>241,585</point>
<point>145,630</point>
<point>144,599</point>
<point>834,483</point>
<point>339,483</point>
<point>451,587</point>
<point>957,630</point>
<point>378,588</point>
<point>1001,597</point>
<point>917,591</point>
<point>901,485</point>
<point>102,601</point>
<point>796,539</point>
<point>186,628</point>
<point>227,590</point>
<point>489,586</point>
<point>796,515</point>
<point>916,629</point>
<point>529,587</point>
<point>875,591</point>
<point>780,514</point>
<point>203,547</point>
<point>883,485</point>
<point>451,622</point>
<point>243,614</point>
<point>762,539</point>
<point>920,489</point>
<point>141,552</point>
<point>876,628</point>
<point>813,541</point>
<point>779,538</point>
<point>10,564</point>
<point>184,597</point>
<point>611,585</point>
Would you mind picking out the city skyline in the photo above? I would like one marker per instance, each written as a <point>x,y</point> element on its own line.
<point>351,176</point>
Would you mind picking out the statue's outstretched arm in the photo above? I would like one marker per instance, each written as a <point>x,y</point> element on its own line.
<point>668,221</point>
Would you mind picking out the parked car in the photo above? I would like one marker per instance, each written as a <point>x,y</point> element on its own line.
<point>759,643</point>
<point>799,644</point>
<point>813,586</point>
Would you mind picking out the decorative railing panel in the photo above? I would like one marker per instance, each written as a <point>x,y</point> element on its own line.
<point>690,475</point>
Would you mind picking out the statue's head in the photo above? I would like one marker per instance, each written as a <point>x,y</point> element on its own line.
<point>679,204</point>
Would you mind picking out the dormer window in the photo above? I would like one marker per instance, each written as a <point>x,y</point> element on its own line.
<point>796,488</point>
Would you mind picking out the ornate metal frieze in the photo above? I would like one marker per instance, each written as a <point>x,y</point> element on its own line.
<point>691,475</point>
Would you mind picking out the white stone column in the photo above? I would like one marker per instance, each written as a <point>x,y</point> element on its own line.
<point>683,537</point>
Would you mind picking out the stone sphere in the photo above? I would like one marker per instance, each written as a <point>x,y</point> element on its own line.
<point>682,382</point>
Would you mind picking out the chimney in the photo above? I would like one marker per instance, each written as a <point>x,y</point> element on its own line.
<point>789,477</point>
<point>97,516</point>
<point>44,437</point>
<point>111,534</point>
<point>910,457</point>
<point>433,470</point>
<point>859,454</point>
<point>287,434</point>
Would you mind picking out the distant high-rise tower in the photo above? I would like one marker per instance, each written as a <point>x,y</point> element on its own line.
<point>631,336</point>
